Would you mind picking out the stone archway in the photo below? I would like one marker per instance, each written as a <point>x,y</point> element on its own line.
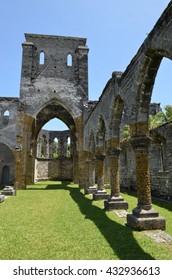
<point>55,110</point>
<point>144,216</point>
<point>6,165</point>
<point>5,181</point>
<point>113,151</point>
<point>100,160</point>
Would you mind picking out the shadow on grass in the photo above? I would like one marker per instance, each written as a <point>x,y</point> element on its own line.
<point>119,237</point>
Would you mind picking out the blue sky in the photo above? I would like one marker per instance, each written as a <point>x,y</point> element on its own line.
<point>114,29</point>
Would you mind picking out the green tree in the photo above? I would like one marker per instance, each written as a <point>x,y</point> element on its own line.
<point>126,133</point>
<point>161,117</point>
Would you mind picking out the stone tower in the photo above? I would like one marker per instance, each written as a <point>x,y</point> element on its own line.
<point>54,84</point>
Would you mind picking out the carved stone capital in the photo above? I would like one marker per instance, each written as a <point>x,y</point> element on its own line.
<point>140,142</point>
<point>114,152</point>
<point>100,157</point>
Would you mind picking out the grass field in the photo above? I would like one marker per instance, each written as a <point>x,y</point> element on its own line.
<point>56,221</point>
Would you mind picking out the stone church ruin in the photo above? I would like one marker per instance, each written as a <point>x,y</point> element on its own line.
<point>54,84</point>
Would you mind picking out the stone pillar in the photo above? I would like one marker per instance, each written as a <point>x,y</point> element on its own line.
<point>143,217</point>
<point>100,193</point>
<point>91,180</point>
<point>64,146</point>
<point>51,149</point>
<point>115,201</point>
<point>83,169</point>
<point>38,148</point>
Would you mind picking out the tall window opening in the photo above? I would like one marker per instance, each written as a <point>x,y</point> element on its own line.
<point>6,117</point>
<point>69,60</point>
<point>68,147</point>
<point>162,87</point>
<point>55,147</point>
<point>41,58</point>
<point>6,113</point>
<point>43,145</point>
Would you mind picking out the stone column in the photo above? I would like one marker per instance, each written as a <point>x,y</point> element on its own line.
<point>64,146</point>
<point>115,201</point>
<point>51,149</point>
<point>100,193</point>
<point>38,148</point>
<point>91,180</point>
<point>143,217</point>
<point>83,169</point>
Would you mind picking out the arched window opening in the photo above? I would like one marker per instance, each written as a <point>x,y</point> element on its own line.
<point>43,146</point>
<point>100,137</point>
<point>162,85</point>
<point>68,147</point>
<point>6,113</point>
<point>6,117</point>
<point>55,147</point>
<point>55,124</point>
<point>41,58</point>
<point>5,181</point>
<point>69,60</point>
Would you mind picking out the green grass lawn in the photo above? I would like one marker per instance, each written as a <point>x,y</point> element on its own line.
<point>56,221</point>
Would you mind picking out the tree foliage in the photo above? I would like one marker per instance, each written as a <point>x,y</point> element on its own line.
<point>161,117</point>
<point>126,133</point>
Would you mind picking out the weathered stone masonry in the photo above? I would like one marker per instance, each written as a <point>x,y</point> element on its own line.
<point>54,84</point>
<point>126,100</point>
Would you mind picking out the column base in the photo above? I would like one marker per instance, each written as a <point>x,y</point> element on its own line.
<point>100,195</point>
<point>9,191</point>
<point>114,203</point>
<point>90,190</point>
<point>2,198</point>
<point>142,219</point>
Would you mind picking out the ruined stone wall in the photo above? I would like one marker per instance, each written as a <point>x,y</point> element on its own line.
<point>54,169</point>
<point>58,166</point>
<point>8,119</point>
<point>8,131</point>
<point>104,109</point>
<point>134,88</point>
<point>54,78</point>
<point>159,163</point>
<point>54,84</point>
<point>6,165</point>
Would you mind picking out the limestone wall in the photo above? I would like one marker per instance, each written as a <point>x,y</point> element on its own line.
<point>54,169</point>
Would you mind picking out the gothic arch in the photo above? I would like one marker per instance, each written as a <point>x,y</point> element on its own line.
<point>54,109</point>
<point>116,117</point>
<point>100,136</point>
<point>50,110</point>
<point>91,142</point>
<point>147,78</point>
<point>6,165</point>
<point>140,138</point>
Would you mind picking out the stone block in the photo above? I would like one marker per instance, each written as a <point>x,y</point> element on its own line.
<point>2,198</point>
<point>115,203</point>
<point>100,195</point>
<point>8,191</point>
<point>149,223</point>
<point>90,190</point>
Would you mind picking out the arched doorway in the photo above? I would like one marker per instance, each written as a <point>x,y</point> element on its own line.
<point>6,165</point>
<point>54,158</point>
<point>58,162</point>
<point>5,181</point>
